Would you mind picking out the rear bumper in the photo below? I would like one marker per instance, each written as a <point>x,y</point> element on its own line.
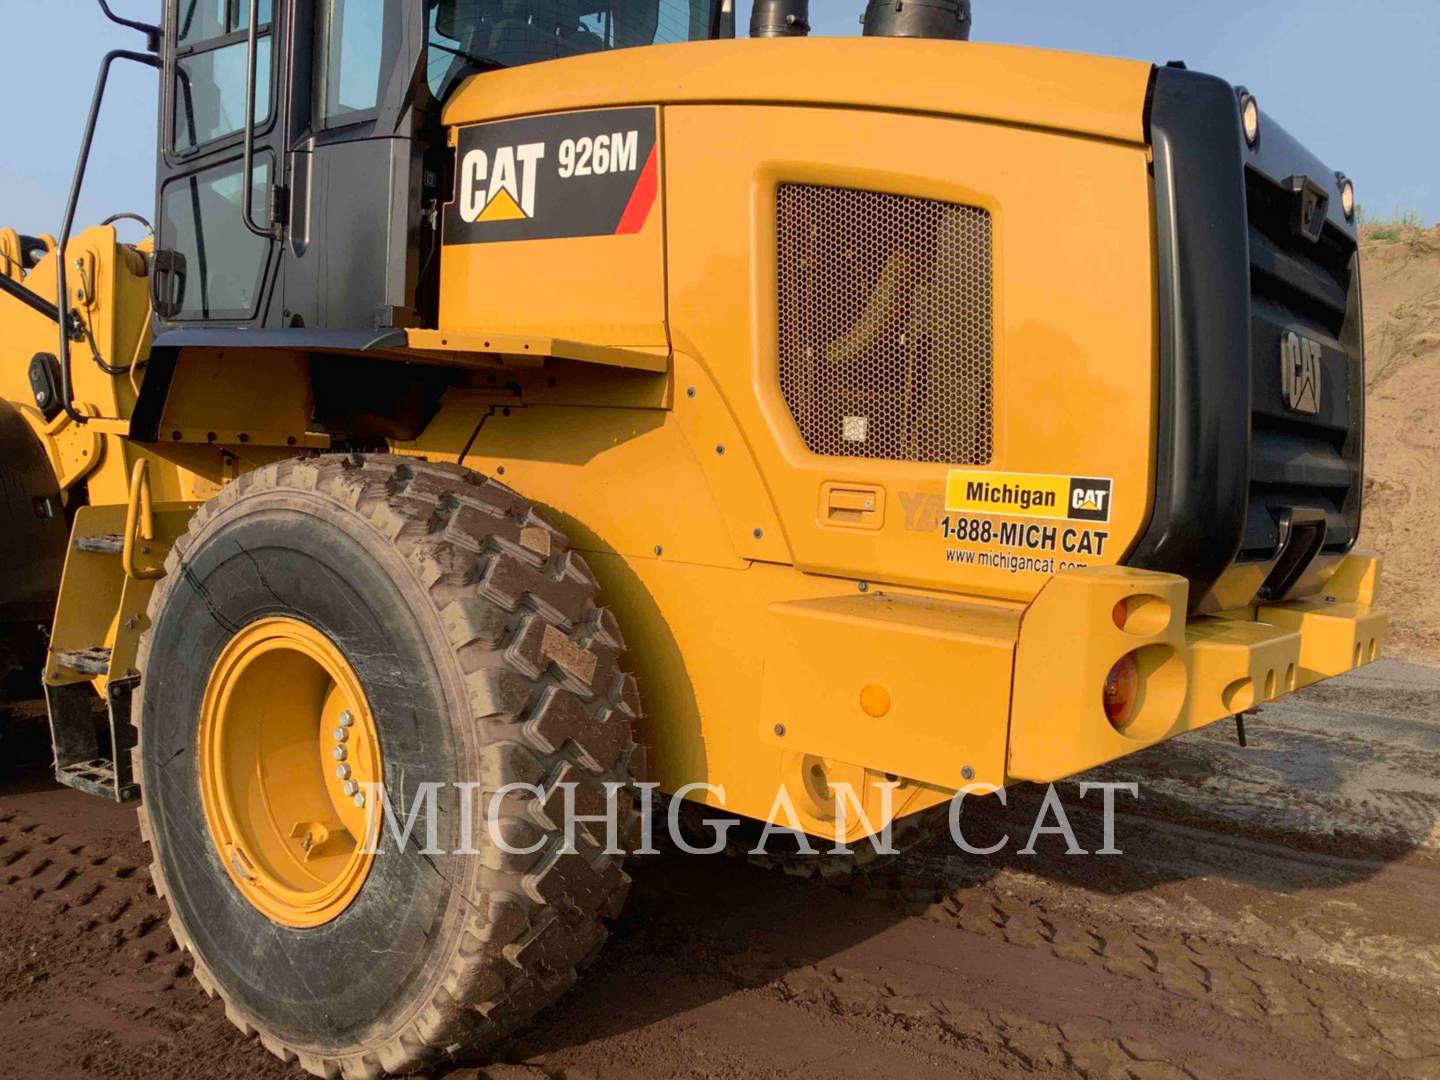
<point>983,695</point>
<point>1194,672</point>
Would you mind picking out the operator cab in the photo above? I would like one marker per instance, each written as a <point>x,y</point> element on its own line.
<point>302,160</point>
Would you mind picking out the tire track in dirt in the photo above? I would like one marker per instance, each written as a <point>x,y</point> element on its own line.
<point>1289,932</point>
<point>91,982</point>
<point>1260,985</point>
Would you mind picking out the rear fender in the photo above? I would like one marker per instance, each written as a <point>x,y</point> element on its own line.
<point>32,543</point>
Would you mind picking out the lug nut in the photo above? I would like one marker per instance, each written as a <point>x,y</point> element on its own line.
<point>347,718</point>
<point>360,799</point>
<point>342,771</point>
<point>350,787</point>
<point>341,734</point>
<point>339,753</point>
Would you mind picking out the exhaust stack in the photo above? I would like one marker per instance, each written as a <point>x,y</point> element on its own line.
<point>780,18</point>
<point>949,19</point>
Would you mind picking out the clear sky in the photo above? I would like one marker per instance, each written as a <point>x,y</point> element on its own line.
<point>1358,82</point>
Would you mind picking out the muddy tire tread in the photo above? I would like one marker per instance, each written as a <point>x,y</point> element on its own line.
<point>504,584</point>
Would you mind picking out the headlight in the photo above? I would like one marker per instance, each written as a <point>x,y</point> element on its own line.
<point>1347,196</point>
<point>1250,116</point>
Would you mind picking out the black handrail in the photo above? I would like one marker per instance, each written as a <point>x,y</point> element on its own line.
<point>151,32</point>
<point>62,296</point>
<point>247,194</point>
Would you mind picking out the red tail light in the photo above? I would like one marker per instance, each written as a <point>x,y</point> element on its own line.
<point>1122,686</point>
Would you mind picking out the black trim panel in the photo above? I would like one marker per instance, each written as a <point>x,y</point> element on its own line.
<point>303,339</point>
<point>1308,285</point>
<point>1203,433</point>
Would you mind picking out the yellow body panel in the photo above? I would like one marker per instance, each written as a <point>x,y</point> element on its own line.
<point>611,288</point>
<point>1074,331</point>
<point>1333,637</point>
<point>112,294</point>
<point>712,472</point>
<point>1091,95</point>
<point>937,674</point>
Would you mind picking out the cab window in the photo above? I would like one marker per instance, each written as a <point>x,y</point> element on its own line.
<point>467,36</point>
<point>201,20</point>
<point>210,67</point>
<point>223,260</point>
<point>359,41</point>
<point>210,93</point>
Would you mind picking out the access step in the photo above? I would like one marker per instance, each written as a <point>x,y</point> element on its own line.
<point>95,661</point>
<point>95,777</point>
<point>105,544</point>
<point>82,734</point>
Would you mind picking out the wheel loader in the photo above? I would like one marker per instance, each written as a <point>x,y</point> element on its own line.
<point>527,397</point>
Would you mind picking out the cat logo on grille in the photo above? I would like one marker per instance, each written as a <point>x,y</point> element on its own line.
<point>1300,373</point>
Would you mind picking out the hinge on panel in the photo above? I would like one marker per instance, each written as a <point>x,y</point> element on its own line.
<point>279,205</point>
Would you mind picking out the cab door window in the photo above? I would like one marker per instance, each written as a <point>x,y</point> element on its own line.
<point>210,93</point>
<point>210,66</point>
<point>201,20</point>
<point>223,261</point>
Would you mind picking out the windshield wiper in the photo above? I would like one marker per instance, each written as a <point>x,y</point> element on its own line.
<point>485,63</point>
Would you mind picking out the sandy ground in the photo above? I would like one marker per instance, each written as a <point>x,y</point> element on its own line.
<point>1401,283</point>
<point>1273,915</point>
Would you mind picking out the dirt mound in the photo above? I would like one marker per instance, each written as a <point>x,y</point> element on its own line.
<point>1402,434</point>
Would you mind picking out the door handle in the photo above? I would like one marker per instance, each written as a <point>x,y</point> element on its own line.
<point>167,283</point>
<point>856,506</point>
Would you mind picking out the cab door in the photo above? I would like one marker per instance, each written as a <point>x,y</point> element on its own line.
<point>362,191</point>
<point>341,186</point>
<point>212,267</point>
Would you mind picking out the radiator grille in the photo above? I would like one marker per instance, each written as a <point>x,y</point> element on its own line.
<point>885,324</point>
<point>1299,460</point>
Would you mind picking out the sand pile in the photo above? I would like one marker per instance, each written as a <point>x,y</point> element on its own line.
<point>1401,282</point>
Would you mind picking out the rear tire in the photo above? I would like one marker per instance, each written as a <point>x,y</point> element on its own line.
<point>485,660</point>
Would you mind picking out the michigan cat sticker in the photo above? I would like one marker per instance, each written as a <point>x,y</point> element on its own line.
<point>593,173</point>
<point>1035,495</point>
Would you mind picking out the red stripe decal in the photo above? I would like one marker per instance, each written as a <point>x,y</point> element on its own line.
<point>642,198</point>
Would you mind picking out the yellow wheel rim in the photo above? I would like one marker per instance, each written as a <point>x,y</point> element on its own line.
<point>287,747</point>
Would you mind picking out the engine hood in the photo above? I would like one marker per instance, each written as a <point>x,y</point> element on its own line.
<point>1071,92</point>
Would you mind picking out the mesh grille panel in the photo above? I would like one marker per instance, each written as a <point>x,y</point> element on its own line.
<point>885,324</point>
